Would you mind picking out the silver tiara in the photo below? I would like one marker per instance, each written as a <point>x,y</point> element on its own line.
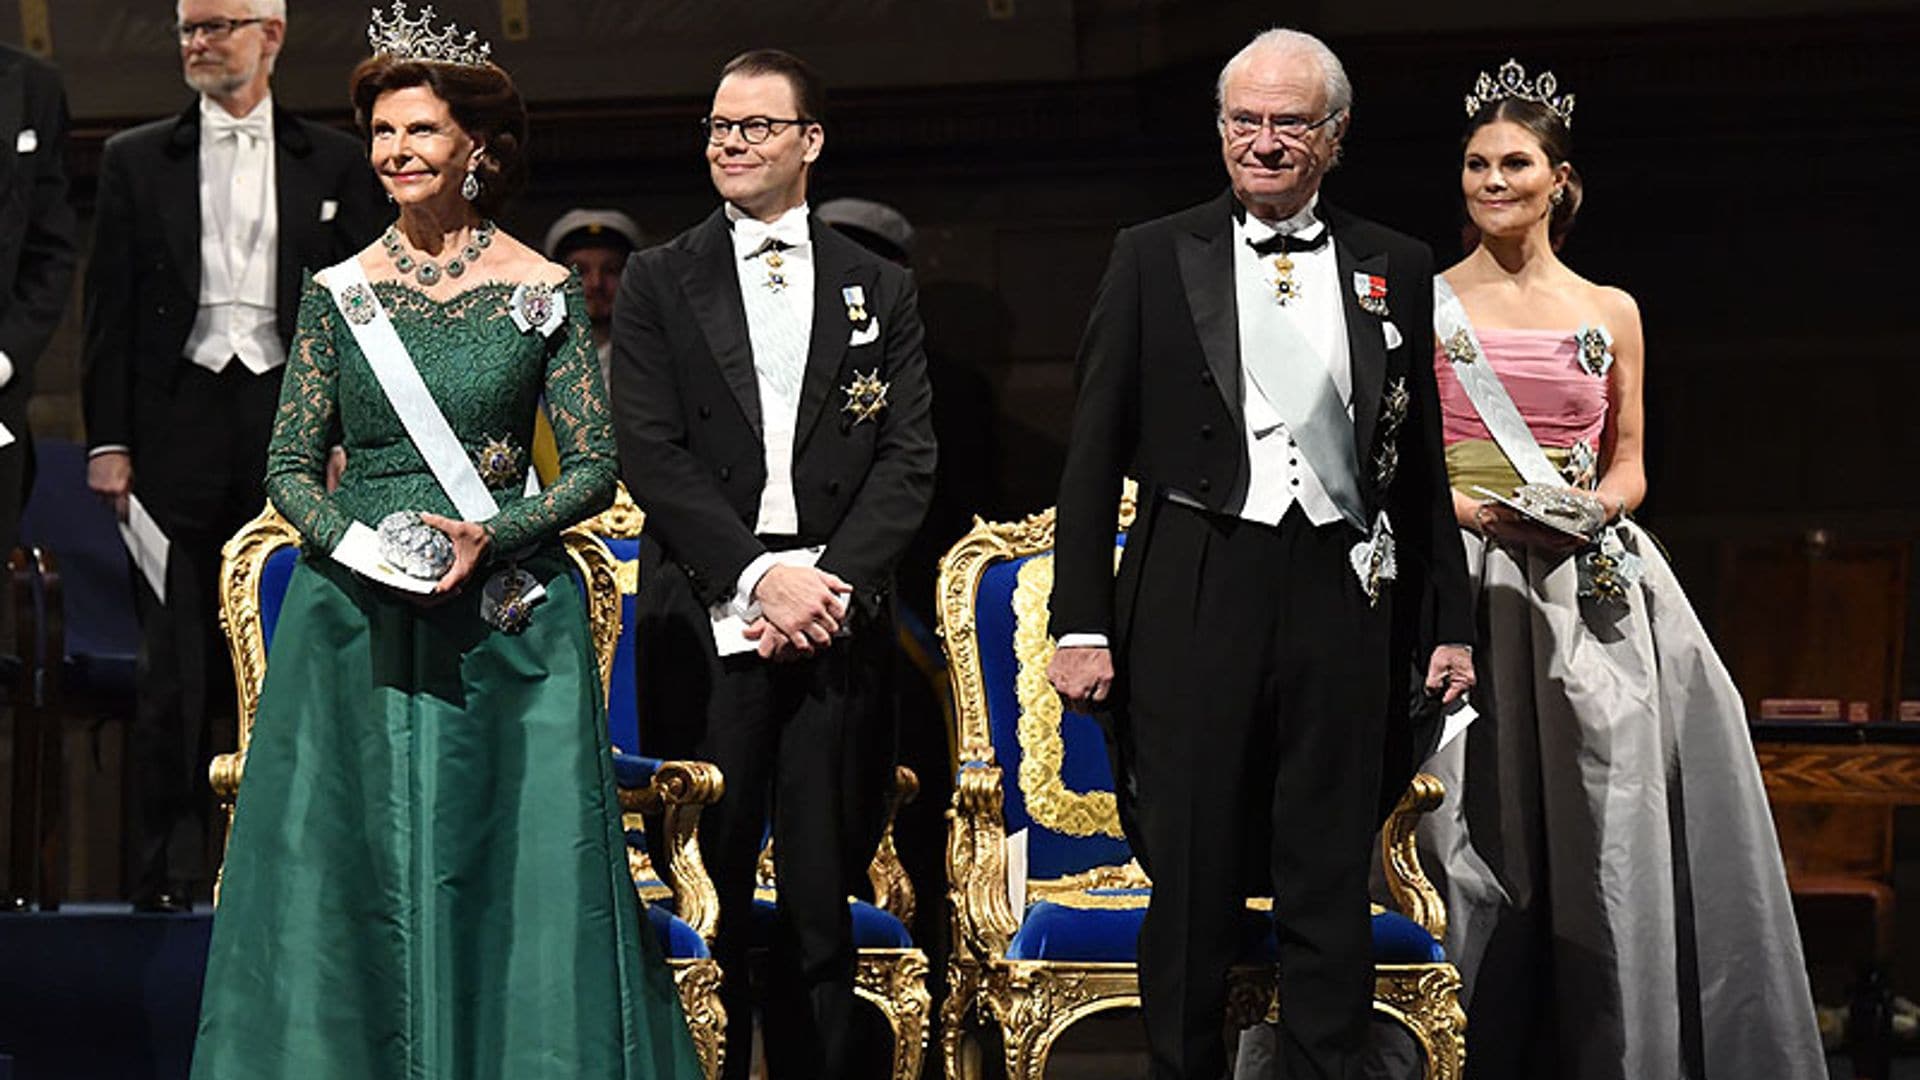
<point>1512,82</point>
<point>402,38</point>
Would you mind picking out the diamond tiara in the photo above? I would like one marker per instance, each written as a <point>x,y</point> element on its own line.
<point>401,38</point>
<point>1512,82</point>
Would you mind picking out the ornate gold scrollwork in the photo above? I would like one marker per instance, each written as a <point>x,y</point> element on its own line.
<point>892,888</point>
<point>895,982</point>
<point>1413,894</point>
<point>599,572</point>
<point>243,561</point>
<point>678,791</point>
<point>698,982</point>
<point>1043,749</point>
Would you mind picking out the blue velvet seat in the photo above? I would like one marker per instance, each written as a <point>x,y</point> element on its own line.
<point>256,567</point>
<point>890,971</point>
<point>1037,950</point>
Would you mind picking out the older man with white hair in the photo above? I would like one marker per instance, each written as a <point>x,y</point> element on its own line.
<point>1262,365</point>
<point>206,221</point>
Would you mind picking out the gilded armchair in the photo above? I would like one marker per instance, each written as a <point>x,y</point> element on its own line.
<point>890,972</point>
<point>256,566</point>
<point>1033,964</point>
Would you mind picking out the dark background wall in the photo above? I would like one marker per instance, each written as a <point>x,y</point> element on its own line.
<point>1750,169</point>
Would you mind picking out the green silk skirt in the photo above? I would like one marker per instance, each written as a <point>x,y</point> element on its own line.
<point>427,877</point>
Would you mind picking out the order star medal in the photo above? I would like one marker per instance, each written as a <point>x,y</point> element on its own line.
<point>776,281</point>
<point>866,396</point>
<point>1285,289</point>
<point>498,462</point>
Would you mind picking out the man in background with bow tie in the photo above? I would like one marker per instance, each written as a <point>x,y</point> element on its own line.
<point>1262,365</point>
<point>771,402</point>
<point>206,222</point>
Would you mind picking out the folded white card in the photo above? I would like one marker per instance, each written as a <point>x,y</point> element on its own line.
<point>1016,851</point>
<point>6,436</point>
<point>359,551</point>
<point>147,544</point>
<point>1455,724</point>
<point>730,630</point>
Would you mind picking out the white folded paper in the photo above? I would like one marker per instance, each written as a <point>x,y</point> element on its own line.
<point>6,436</point>
<point>1016,851</point>
<point>1455,724</point>
<point>147,544</point>
<point>359,551</point>
<point>730,630</point>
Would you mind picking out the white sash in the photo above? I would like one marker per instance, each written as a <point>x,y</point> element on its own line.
<point>1489,396</point>
<point>393,367</point>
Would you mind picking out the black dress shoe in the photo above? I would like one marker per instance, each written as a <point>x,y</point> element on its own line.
<point>163,903</point>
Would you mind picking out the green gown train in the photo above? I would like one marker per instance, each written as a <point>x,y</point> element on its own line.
<point>427,877</point>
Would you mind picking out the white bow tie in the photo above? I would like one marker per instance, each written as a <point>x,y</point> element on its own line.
<point>751,235</point>
<point>255,126</point>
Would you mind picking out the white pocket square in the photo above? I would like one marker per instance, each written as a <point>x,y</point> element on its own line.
<point>866,336</point>
<point>1393,334</point>
<point>329,209</point>
<point>27,142</point>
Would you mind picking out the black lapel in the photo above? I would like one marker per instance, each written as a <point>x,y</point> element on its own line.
<point>297,196</point>
<point>837,263</point>
<point>712,289</point>
<point>175,184</point>
<point>1206,269</point>
<point>1366,341</point>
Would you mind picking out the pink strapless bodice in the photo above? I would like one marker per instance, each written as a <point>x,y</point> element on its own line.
<point>1561,402</point>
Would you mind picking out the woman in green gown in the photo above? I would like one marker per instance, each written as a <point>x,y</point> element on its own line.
<point>427,877</point>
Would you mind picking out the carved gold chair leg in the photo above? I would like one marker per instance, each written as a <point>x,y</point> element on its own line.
<point>959,1043</point>
<point>895,982</point>
<point>1425,999</point>
<point>1035,1002</point>
<point>698,982</point>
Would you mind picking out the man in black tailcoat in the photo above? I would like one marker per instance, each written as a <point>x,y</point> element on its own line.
<point>1262,365</point>
<point>771,401</point>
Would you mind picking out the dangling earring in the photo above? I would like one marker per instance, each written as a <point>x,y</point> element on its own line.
<point>1559,196</point>
<point>470,187</point>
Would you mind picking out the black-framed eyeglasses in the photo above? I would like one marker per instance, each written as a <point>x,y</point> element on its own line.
<point>214,29</point>
<point>1245,127</point>
<point>754,129</point>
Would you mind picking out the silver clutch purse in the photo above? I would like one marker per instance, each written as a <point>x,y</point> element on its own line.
<point>414,547</point>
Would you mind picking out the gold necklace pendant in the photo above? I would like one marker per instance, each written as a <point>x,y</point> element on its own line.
<point>1285,289</point>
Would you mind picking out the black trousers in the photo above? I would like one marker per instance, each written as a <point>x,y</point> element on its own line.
<point>808,748</point>
<point>198,464</point>
<point>1254,684</point>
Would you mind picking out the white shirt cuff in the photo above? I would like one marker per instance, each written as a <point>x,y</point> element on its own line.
<point>743,603</point>
<point>1081,641</point>
<point>109,448</point>
<point>6,369</point>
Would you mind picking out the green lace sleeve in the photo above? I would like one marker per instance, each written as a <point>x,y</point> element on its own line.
<point>582,432</point>
<point>305,427</point>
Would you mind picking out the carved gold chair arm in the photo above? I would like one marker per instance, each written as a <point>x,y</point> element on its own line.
<point>983,919</point>
<point>892,889</point>
<point>224,774</point>
<point>1413,894</point>
<point>678,792</point>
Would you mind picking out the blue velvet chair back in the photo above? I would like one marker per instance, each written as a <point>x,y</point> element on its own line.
<point>1061,783</point>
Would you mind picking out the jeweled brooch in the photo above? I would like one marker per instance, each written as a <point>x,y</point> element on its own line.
<point>866,397</point>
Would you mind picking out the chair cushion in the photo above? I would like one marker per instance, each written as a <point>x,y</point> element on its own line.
<point>1055,931</point>
<point>633,772</point>
<point>873,927</point>
<point>678,940</point>
<point>275,576</point>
